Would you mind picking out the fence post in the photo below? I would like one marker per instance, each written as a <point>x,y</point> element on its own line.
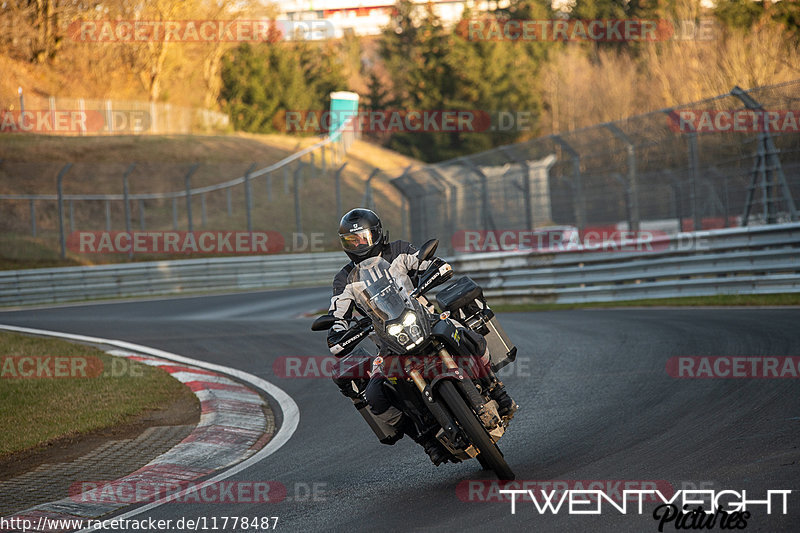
<point>108,215</point>
<point>125,194</point>
<point>175,212</point>
<point>692,140</point>
<point>627,191</point>
<point>63,239</point>
<point>767,166</point>
<point>248,198</point>
<point>33,216</point>
<point>298,222</point>
<point>632,180</point>
<point>286,179</point>
<point>203,218</point>
<point>677,193</point>
<point>324,163</point>
<point>141,214</point>
<point>230,203</point>
<point>368,203</point>
<point>486,213</point>
<point>580,200</point>
<point>269,186</point>
<point>338,180</point>
<point>188,181</point>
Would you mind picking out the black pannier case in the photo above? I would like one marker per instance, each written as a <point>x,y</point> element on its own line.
<point>464,299</point>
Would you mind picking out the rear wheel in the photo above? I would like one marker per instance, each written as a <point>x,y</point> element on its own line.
<point>489,456</point>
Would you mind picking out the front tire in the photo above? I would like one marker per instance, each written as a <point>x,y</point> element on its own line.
<point>489,454</point>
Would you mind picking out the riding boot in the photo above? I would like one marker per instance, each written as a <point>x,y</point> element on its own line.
<point>506,406</point>
<point>435,450</point>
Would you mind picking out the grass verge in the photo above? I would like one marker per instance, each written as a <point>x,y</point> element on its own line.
<point>728,300</point>
<point>77,390</point>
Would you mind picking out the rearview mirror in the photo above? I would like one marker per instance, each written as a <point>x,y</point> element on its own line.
<point>427,250</point>
<point>323,323</point>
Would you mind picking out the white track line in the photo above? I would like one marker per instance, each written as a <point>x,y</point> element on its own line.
<point>291,413</point>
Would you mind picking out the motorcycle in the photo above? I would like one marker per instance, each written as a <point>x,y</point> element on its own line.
<point>436,378</point>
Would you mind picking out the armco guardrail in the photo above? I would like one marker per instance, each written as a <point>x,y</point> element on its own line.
<point>53,285</point>
<point>754,260</point>
<point>763,259</point>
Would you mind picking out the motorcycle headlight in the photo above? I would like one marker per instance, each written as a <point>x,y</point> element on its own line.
<point>409,319</point>
<point>394,329</point>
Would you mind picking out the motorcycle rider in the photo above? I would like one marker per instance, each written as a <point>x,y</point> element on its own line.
<point>361,235</point>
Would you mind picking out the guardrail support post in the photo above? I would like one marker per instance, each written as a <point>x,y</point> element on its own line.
<point>188,181</point>
<point>63,238</point>
<point>108,214</point>
<point>175,213</point>
<point>228,199</point>
<point>248,197</point>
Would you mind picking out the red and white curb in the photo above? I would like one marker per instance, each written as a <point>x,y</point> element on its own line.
<point>233,430</point>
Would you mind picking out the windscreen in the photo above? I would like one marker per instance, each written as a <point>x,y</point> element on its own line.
<point>376,292</point>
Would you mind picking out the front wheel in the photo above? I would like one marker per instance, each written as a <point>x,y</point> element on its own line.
<point>489,455</point>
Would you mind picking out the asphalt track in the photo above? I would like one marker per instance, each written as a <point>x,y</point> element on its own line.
<point>597,404</point>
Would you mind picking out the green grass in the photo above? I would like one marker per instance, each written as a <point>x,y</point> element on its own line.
<point>38,410</point>
<point>732,300</point>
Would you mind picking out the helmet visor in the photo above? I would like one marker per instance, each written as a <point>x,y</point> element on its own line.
<point>357,241</point>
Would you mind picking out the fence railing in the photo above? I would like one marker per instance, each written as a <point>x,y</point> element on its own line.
<point>764,259</point>
<point>62,213</point>
<point>730,160</point>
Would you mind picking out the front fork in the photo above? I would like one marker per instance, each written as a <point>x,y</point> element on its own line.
<point>487,412</point>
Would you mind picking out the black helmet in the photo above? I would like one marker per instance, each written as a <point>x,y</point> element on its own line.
<point>361,234</point>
